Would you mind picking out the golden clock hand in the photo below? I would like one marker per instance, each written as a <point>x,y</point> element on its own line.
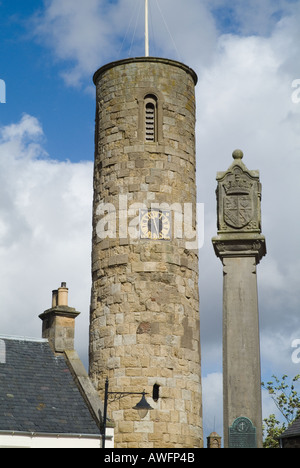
<point>156,227</point>
<point>154,219</point>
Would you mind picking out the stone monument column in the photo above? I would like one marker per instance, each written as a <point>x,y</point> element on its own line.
<point>240,246</point>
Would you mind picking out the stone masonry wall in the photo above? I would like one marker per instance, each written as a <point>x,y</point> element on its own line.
<point>144,325</point>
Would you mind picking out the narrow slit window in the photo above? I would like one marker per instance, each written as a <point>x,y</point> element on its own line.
<point>150,119</point>
<point>155,395</point>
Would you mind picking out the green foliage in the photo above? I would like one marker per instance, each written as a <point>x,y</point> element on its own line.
<point>272,429</point>
<point>287,400</point>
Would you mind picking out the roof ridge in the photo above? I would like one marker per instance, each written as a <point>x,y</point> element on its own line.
<point>23,338</point>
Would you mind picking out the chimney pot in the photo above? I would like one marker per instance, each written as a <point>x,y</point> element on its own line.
<point>59,321</point>
<point>63,295</point>
<point>54,298</point>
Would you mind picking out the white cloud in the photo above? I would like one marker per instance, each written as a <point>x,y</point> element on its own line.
<point>77,32</point>
<point>212,387</point>
<point>186,34</point>
<point>45,230</point>
<point>244,100</point>
<point>27,127</point>
<point>256,17</point>
<point>85,35</point>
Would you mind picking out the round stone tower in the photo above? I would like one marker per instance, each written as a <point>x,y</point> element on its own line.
<point>144,324</point>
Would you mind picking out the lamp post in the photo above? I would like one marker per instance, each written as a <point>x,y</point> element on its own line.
<point>142,407</point>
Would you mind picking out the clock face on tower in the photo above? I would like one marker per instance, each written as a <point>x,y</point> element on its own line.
<point>155,224</point>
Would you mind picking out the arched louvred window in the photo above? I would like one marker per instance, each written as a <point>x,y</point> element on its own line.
<point>150,118</point>
<point>150,121</point>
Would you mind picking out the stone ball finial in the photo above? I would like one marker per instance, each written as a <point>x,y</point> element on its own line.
<point>238,154</point>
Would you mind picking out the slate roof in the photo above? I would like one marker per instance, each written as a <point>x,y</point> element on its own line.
<point>292,431</point>
<point>37,391</point>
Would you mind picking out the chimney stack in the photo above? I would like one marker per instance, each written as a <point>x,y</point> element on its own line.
<point>59,321</point>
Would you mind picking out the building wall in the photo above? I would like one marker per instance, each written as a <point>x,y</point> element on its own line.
<point>35,441</point>
<point>144,327</point>
<point>290,442</point>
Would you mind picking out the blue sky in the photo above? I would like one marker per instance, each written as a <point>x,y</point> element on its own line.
<point>32,64</point>
<point>34,86</point>
<point>246,55</point>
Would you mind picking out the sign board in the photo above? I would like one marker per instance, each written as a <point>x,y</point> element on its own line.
<point>242,434</point>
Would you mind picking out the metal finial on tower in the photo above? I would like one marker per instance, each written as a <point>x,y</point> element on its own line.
<point>146,29</point>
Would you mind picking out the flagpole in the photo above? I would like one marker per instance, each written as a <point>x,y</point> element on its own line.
<point>146,29</point>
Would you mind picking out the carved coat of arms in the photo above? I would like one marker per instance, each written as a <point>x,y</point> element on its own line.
<point>239,212</point>
<point>238,209</point>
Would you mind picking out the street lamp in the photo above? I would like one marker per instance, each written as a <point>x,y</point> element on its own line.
<point>142,407</point>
